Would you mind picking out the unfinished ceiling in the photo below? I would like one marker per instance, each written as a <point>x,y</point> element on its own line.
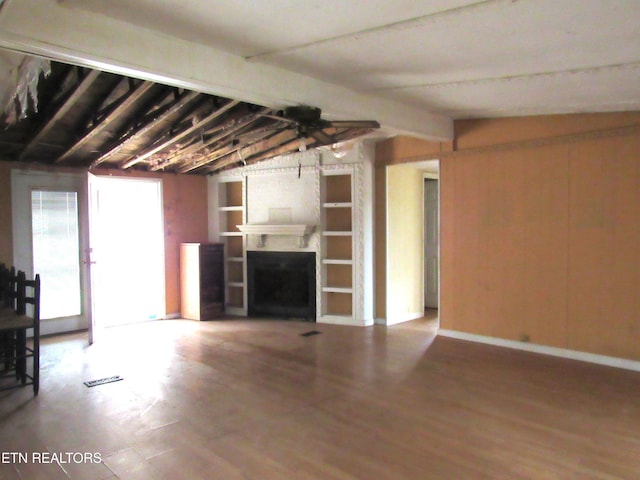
<point>66,115</point>
<point>413,66</point>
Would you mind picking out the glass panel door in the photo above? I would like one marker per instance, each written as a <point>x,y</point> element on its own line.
<point>56,246</point>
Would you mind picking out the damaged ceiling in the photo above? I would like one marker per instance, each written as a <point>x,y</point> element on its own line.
<point>64,115</point>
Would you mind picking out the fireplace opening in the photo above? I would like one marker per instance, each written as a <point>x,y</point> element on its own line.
<point>282,284</point>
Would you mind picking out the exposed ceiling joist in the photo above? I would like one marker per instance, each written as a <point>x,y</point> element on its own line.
<point>289,148</point>
<point>232,127</point>
<point>119,109</point>
<point>177,138</point>
<point>152,123</point>
<point>240,152</point>
<point>72,97</point>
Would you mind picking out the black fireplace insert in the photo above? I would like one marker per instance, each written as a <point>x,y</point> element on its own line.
<point>282,284</point>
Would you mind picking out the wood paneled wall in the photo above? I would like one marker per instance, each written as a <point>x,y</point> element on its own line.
<point>185,220</point>
<point>540,227</point>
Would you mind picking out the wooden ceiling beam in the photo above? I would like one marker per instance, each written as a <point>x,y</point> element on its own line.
<point>147,126</point>
<point>182,135</point>
<point>215,155</point>
<point>286,148</point>
<point>239,117</point>
<point>228,131</point>
<point>69,101</point>
<point>214,135</point>
<point>263,147</point>
<point>121,108</point>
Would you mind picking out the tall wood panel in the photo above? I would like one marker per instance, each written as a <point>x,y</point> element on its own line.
<point>604,253</point>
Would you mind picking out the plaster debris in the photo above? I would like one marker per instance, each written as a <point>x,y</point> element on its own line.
<point>27,78</point>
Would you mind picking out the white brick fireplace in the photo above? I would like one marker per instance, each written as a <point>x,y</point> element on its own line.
<point>312,201</point>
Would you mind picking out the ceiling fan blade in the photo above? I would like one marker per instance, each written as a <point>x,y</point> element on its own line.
<point>351,124</point>
<point>321,137</point>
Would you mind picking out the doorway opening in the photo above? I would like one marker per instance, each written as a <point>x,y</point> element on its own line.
<point>431,241</point>
<point>127,241</point>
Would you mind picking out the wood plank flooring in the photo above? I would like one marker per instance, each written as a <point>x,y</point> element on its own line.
<point>239,399</point>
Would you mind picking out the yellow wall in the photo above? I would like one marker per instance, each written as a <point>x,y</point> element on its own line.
<point>540,226</point>
<point>405,258</point>
<point>185,220</point>
<point>380,235</point>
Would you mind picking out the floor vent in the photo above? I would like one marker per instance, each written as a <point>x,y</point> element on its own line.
<point>102,381</point>
<point>310,334</point>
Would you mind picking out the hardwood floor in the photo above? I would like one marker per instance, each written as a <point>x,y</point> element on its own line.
<point>241,399</point>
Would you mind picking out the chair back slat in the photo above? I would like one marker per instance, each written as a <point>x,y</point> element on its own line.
<point>10,293</point>
<point>31,295</point>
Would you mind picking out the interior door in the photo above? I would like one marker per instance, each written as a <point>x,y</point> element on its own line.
<point>431,243</point>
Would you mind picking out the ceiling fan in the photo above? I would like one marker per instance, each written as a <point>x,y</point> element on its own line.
<point>308,122</point>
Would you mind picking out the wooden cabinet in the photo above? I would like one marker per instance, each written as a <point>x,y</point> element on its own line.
<point>201,280</point>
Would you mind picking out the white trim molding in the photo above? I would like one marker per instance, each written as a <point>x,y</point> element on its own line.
<point>397,320</point>
<point>545,350</point>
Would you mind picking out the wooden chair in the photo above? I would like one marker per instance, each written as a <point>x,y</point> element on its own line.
<point>16,322</point>
<point>8,305</point>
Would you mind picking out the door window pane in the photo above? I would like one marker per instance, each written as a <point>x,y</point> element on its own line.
<point>54,220</point>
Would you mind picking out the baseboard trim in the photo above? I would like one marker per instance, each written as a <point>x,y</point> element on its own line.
<point>344,320</point>
<point>172,316</point>
<point>53,326</point>
<point>408,318</point>
<point>554,351</point>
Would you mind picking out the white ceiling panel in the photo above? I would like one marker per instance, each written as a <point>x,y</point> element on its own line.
<point>252,27</point>
<point>490,40</point>
<point>602,90</point>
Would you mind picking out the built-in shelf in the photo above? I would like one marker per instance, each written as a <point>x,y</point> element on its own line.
<point>337,205</point>
<point>338,265</point>
<point>337,261</point>
<point>337,289</point>
<point>263,229</point>
<point>231,211</point>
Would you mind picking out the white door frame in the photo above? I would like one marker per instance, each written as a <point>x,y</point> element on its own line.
<point>430,176</point>
<point>23,182</point>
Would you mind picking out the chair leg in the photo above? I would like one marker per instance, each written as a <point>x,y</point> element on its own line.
<point>6,347</point>
<point>36,363</point>
<point>21,358</point>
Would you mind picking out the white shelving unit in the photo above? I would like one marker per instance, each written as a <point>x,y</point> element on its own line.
<point>232,212</point>
<point>337,260</point>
